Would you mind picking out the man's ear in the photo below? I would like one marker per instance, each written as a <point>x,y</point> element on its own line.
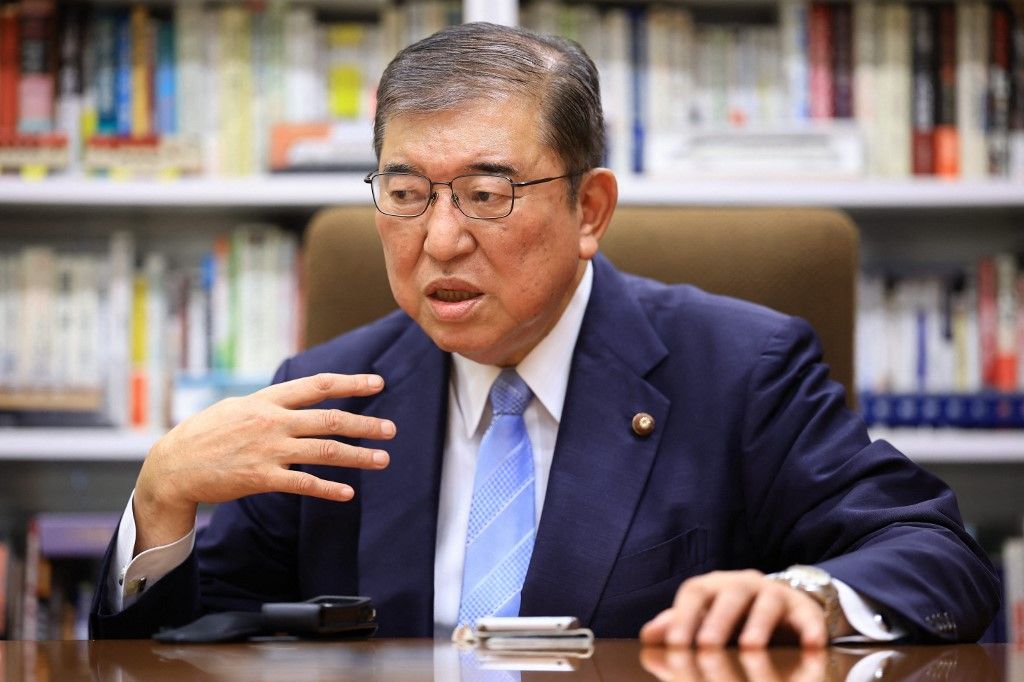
<point>599,192</point>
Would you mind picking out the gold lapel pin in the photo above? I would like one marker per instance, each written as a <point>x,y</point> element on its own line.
<point>643,424</point>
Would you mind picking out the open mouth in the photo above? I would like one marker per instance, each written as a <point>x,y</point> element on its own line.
<point>453,295</point>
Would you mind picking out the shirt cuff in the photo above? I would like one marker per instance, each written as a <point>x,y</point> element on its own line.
<point>129,577</point>
<point>866,617</point>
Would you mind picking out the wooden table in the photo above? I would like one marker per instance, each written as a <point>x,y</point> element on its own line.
<point>408,660</point>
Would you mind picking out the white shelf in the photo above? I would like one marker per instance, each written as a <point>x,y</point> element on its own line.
<point>315,190</point>
<point>74,445</point>
<point>954,446</point>
<point>922,445</point>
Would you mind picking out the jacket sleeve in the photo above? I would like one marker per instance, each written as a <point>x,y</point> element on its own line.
<point>820,492</point>
<point>245,557</point>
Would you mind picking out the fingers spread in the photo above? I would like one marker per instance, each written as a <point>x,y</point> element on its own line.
<point>302,483</point>
<point>333,453</point>
<point>314,389</point>
<point>339,423</point>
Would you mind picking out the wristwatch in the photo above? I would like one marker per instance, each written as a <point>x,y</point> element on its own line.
<point>817,584</point>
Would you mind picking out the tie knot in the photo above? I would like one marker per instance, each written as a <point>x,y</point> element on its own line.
<point>509,393</point>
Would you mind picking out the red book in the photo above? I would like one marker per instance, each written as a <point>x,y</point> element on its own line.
<point>922,39</point>
<point>987,320</point>
<point>10,70</point>
<point>947,145</point>
<point>819,50</point>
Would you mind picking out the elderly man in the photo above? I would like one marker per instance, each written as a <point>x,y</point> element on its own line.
<point>561,438</point>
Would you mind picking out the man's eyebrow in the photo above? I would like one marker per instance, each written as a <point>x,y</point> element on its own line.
<point>399,168</point>
<point>496,168</point>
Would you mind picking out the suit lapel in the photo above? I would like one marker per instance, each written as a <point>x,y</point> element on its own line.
<point>600,465</point>
<point>398,521</point>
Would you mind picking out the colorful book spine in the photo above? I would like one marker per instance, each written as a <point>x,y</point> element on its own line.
<point>10,67</point>
<point>947,143</point>
<point>842,60</point>
<point>165,85</point>
<point>141,56</point>
<point>123,74</point>
<point>105,41</point>
<point>638,91</point>
<point>923,41</point>
<point>793,22</point>
<point>972,23</point>
<point>999,92</point>
<point>37,85</point>
<point>822,96</point>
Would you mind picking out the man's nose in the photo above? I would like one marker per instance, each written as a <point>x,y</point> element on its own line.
<point>447,234</point>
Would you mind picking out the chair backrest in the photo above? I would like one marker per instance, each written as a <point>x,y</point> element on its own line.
<point>801,261</point>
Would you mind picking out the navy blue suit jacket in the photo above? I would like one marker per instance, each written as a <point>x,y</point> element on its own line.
<point>754,461</point>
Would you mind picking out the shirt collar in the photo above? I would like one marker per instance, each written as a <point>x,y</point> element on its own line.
<point>545,369</point>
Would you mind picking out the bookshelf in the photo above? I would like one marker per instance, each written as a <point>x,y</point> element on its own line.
<point>316,190</point>
<point>906,222</point>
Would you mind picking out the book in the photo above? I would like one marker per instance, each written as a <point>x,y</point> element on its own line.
<point>972,25</point>
<point>165,109</point>
<point>999,92</point>
<point>946,137</point>
<point>1005,362</point>
<point>822,96</point>
<point>842,59</point>
<point>141,57</point>
<point>638,88</point>
<point>123,71</point>
<point>235,125</point>
<point>616,89</point>
<point>104,33</point>
<point>10,67</point>
<point>38,69</point>
<point>117,325</point>
<point>924,79</point>
<point>896,89</point>
<point>867,81</point>
<point>69,102</point>
<point>793,23</point>
<point>189,69</point>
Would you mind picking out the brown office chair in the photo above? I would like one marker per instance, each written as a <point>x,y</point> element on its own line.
<point>801,261</point>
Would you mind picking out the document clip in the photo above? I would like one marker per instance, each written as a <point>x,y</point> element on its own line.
<point>554,636</point>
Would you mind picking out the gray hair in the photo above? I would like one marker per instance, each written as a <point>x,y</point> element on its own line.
<point>469,62</point>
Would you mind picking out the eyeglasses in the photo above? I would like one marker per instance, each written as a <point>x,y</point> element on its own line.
<point>480,196</point>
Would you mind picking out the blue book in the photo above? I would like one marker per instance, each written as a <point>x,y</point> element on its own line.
<point>166,91</point>
<point>123,74</point>
<point>987,410</point>
<point>638,44</point>
<point>104,30</point>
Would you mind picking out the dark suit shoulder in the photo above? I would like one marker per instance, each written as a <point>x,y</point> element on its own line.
<point>689,314</point>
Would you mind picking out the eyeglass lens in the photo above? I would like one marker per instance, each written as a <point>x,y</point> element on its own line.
<point>477,196</point>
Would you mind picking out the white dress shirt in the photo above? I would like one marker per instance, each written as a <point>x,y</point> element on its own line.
<point>546,371</point>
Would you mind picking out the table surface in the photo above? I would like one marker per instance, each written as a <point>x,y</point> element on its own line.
<point>408,660</point>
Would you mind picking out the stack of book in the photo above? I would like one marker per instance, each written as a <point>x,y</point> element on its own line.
<point>98,334</point>
<point>140,90</point>
<point>807,88</point>
<point>943,350</point>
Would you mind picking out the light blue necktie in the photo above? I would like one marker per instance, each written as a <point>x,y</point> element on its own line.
<point>499,539</point>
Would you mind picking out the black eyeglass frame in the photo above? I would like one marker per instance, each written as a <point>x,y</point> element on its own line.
<point>455,197</point>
